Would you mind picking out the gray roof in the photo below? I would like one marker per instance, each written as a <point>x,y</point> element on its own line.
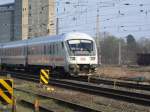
<point>8,4</point>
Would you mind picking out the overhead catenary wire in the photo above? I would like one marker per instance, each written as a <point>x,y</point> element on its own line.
<point>75,19</point>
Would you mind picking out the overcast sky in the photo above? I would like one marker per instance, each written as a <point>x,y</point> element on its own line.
<point>118,17</point>
<point>5,1</point>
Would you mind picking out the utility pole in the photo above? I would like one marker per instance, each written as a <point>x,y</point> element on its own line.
<point>57,26</point>
<point>119,57</point>
<point>98,37</point>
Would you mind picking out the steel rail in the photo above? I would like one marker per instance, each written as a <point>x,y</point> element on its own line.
<point>75,106</point>
<point>118,83</point>
<point>132,97</point>
<point>31,105</point>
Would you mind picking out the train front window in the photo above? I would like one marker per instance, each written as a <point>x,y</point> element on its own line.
<point>81,47</point>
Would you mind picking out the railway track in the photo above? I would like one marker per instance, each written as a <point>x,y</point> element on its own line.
<point>31,105</point>
<point>76,107</point>
<point>132,97</point>
<point>118,83</point>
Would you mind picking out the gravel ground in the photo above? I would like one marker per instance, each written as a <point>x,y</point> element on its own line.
<point>97,102</point>
<point>124,72</point>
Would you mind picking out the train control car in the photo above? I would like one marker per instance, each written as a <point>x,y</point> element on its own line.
<point>74,53</point>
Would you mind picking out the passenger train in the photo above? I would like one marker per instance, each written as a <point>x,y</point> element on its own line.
<point>74,53</point>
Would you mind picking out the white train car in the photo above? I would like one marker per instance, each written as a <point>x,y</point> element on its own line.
<point>74,53</point>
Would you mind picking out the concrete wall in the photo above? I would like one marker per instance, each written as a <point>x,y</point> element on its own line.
<point>6,22</point>
<point>21,20</point>
<point>36,18</point>
<point>26,19</point>
<point>41,18</point>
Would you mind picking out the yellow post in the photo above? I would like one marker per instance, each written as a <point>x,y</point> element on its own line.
<point>37,105</point>
<point>14,108</point>
<point>44,76</point>
<point>89,78</point>
<point>115,83</point>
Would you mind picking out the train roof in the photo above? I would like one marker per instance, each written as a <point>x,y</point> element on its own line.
<point>47,39</point>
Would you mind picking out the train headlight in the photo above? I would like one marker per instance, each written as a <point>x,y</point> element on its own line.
<point>94,66</point>
<point>71,67</point>
<point>92,58</point>
<point>72,58</point>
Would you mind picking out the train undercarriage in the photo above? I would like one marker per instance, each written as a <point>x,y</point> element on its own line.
<point>82,69</point>
<point>74,69</point>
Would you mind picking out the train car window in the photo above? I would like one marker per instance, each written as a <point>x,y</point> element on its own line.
<point>62,44</point>
<point>46,52</point>
<point>45,49</point>
<point>6,51</point>
<point>9,52</point>
<point>13,51</point>
<point>3,52</point>
<point>59,48</point>
<point>36,50</point>
<point>53,49</point>
<point>18,51</point>
<point>50,49</point>
<point>56,49</point>
<point>22,50</point>
<point>30,50</point>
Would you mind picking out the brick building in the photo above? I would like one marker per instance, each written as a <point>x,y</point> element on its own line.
<point>24,19</point>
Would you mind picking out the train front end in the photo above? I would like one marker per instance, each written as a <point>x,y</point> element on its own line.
<point>82,54</point>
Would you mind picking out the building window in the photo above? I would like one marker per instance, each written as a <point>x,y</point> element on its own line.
<point>30,29</point>
<point>8,6</point>
<point>48,30</point>
<point>30,7</point>
<point>30,14</point>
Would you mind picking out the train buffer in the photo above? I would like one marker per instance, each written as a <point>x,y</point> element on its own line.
<point>44,76</point>
<point>6,91</point>
<point>44,79</point>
